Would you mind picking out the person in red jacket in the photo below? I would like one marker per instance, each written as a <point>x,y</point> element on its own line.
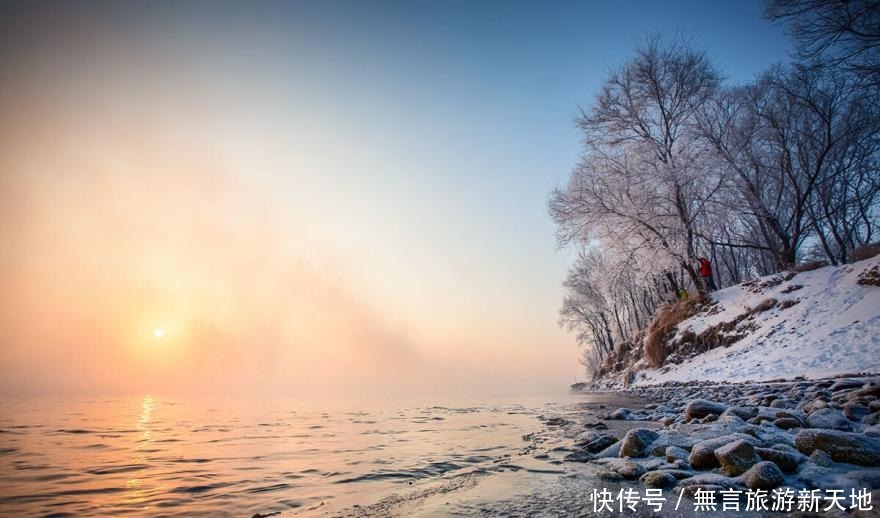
<point>706,273</point>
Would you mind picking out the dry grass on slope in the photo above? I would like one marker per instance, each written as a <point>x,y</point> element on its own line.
<point>664,326</point>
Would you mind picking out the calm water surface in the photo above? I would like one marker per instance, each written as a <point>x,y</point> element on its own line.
<point>152,456</point>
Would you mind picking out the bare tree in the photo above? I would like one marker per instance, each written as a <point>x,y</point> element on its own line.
<point>834,32</point>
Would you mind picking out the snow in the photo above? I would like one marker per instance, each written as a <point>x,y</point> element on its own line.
<point>834,329</point>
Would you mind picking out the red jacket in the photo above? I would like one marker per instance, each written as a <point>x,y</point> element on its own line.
<point>705,267</point>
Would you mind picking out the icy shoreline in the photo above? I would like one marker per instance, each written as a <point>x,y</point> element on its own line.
<point>695,439</point>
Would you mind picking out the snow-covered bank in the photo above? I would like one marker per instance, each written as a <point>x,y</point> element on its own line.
<point>822,323</point>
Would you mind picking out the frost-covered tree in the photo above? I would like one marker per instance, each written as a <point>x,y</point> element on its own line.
<point>801,147</point>
<point>757,177</point>
<point>643,181</point>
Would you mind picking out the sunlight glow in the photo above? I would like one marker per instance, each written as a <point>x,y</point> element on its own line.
<point>159,333</point>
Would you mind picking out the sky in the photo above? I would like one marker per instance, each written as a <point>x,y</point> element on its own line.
<point>305,197</point>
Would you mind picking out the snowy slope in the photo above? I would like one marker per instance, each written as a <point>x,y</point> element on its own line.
<point>833,329</point>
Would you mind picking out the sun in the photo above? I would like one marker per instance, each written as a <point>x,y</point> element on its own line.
<point>158,332</point>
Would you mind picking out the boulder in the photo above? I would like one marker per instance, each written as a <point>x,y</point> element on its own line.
<point>829,419</point>
<point>853,448</point>
<point>585,438</point>
<point>736,457</point>
<point>622,414</point>
<point>703,453</point>
<point>821,458</point>
<point>782,403</point>
<point>579,456</point>
<point>873,431</point>
<point>867,392</point>
<point>600,443</point>
<point>791,414</point>
<point>611,451</point>
<point>763,475</point>
<point>700,408</point>
<point>662,479</point>
<point>786,423</point>
<point>743,412</point>
<point>674,453</point>
<point>855,411</point>
<point>637,442</point>
<point>846,384</point>
<point>609,475</point>
<point>786,461</point>
<point>625,468</point>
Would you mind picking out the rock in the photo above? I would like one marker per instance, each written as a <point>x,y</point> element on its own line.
<point>821,458</point>
<point>846,384</point>
<point>813,476</point>
<point>674,453</point>
<point>855,411</point>
<point>611,451</point>
<point>743,412</point>
<point>730,419</point>
<point>605,474</point>
<point>598,425</point>
<point>661,479</point>
<point>621,414</point>
<point>791,414</point>
<point>736,457</point>
<point>703,453</point>
<point>700,408</point>
<point>829,419</point>
<point>579,456</point>
<point>600,443</point>
<point>625,468</point>
<point>763,475</point>
<point>813,405</point>
<point>783,403</point>
<point>872,419</point>
<point>854,448</point>
<point>872,391</point>
<point>637,442</point>
<point>768,433</point>
<point>787,423</point>
<point>873,431</point>
<point>787,461</point>
<point>585,438</point>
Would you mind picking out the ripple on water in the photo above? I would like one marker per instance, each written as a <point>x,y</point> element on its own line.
<point>270,488</point>
<point>201,488</point>
<point>110,470</point>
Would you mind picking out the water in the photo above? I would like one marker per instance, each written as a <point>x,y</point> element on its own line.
<point>152,456</point>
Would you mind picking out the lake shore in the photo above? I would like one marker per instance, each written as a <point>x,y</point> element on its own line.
<point>684,440</point>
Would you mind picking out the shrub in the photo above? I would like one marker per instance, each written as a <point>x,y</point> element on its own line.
<point>809,266</point>
<point>870,277</point>
<point>785,304</point>
<point>664,325</point>
<point>865,252</point>
<point>765,305</point>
